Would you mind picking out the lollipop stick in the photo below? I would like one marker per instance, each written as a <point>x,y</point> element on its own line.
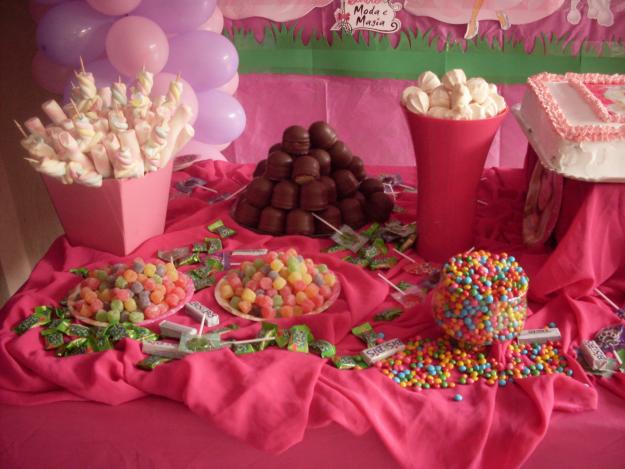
<point>391,284</point>
<point>470,250</point>
<point>20,128</point>
<point>207,189</point>
<point>404,256</point>
<point>327,223</point>
<point>607,300</point>
<point>237,192</point>
<point>482,202</point>
<point>249,341</point>
<point>202,324</point>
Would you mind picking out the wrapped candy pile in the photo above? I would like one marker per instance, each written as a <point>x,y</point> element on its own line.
<point>481,298</point>
<point>453,97</point>
<point>104,133</point>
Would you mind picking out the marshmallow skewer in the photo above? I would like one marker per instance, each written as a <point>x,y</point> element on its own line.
<point>34,126</point>
<point>391,284</point>
<point>54,111</point>
<point>176,125</point>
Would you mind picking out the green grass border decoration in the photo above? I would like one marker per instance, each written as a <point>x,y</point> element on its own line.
<point>283,51</point>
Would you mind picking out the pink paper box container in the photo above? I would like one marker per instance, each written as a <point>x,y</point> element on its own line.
<point>116,217</point>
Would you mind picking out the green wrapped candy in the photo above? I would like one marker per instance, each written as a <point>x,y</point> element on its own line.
<point>300,337</point>
<point>141,334</point>
<point>214,264</point>
<point>380,246</point>
<point>78,330</point>
<point>59,325</point>
<point>368,252</point>
<point>323,348</point>
<point>199,247</point>
<point>201,283</point>
<point>222,230</point>
<point>357,261</point>
<point>76,347</point>
<point>365,333</point>
<point>190,260</point>
<point>61,313</point>
<point>151,362</point>
<point>403,285</point>
<point>388,314</point>
<point>81,272</point>
<point>214,245</point>
<point>371,231</point>
<point>383,263</point>
<point>100,344</point>
<point>40,317</point>
<point>116,332</point>
<point>349,362</point>
<point>268,331</point>
<point>242,349</point>
<point>53,340</point>
<point>282,337</point>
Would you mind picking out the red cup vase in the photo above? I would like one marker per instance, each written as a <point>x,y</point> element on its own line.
<point>116,217</point>
<point>450,156</point>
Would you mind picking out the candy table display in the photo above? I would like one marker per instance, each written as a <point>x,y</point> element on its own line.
<point>481,298</point>
<point>107,156</point>
<point>278,285</point>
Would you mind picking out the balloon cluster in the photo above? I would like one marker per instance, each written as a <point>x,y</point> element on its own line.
<point>119,38</point>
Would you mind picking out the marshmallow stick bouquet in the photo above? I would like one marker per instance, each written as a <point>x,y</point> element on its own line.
<point>108,132</point>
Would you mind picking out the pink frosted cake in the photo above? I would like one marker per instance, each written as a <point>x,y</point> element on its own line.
<point>576,123</point>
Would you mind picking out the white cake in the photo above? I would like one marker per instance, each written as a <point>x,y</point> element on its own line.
<point>576,123</point>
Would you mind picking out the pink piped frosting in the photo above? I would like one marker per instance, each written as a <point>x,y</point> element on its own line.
<point>578,133</point>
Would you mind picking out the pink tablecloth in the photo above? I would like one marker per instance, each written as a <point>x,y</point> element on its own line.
<point>270,399</point>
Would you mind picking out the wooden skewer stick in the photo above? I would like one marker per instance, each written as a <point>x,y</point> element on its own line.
<point>75,107</point>
<point>20,128</point>
<point>391,284</point>
<point>404,256</point>
<point>327,223</point>
<point>607,300</point>
<point>82,65</point>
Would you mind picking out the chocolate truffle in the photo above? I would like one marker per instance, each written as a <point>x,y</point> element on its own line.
<point>371,185</point>
<point>331,187</point>
<point>313,196</point>
<point>300,222</point>
<point>275,147</point>
<point>379,206</point>
<point>357,167</point>
<point>352,212</point>
<point>260,168</point>
<point>305,169</point>
<point>272,221</point>
<point>359,196</point>
<point>279,166</point>
<point>246,213</point>
<point>324,159</point>
<point>296,141</point>
<point>341,155</point>
<point>346,183</point>
<point>258,192</point>
<point>332,215</point>
<point>322,135</point>
<point>285,195</point>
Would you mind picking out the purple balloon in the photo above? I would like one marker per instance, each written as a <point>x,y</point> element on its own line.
<point>72,30</point>
<point>177,16</point>
<point>205,59</point>
<point>104,74</point>
<point>220,119</point>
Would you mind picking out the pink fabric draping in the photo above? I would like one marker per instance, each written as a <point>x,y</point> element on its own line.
<point>365,112</point>
<point>269,399</point>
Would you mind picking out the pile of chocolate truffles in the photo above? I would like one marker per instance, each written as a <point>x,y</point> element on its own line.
<point>311,171</point>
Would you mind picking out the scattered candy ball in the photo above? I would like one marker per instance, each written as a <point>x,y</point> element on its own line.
<point>441,364</point>
<point>458,397</point>
<point>481,298</point>
<point>278,285</point>
<point>129,293</point>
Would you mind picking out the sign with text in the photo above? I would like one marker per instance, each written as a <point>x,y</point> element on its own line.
<point>367,15</point>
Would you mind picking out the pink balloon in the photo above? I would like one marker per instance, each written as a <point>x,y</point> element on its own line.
<point>206,151</point>
<point>49,75</point>
<point>161,86</point>
<point>114,7</point>
<point>232,86</point>
<point>135,42</point>
<point>215,23</point>
<point>223,146</point>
